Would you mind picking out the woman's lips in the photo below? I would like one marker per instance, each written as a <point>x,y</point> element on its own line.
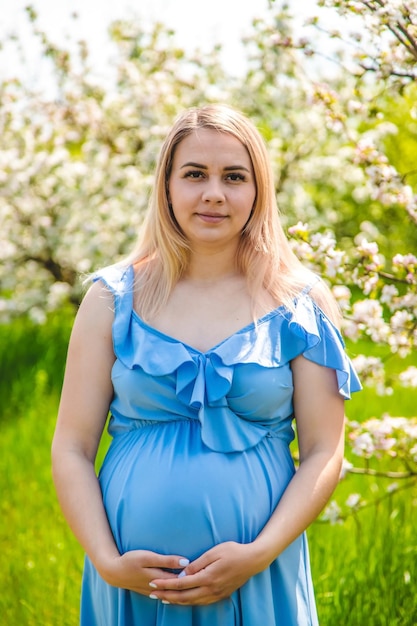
<point>212,218</point>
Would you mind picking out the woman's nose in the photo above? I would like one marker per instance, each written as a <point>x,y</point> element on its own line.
<point>213,191</point>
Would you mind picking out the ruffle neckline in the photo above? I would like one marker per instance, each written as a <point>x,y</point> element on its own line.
<point>203,379</point>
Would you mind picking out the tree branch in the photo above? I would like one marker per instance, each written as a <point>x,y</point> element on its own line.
<point>59,273</point>
<point>371,472</point>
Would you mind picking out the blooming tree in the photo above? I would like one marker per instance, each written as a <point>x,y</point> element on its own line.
<point>378,294</point>
<point>76,171</point>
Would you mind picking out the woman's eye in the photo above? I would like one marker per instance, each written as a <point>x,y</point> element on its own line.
<point>235,177</point>
<point>194,174</point>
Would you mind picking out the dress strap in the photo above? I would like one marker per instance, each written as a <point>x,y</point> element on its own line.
<point>309,286</point>
<point>120,281</point>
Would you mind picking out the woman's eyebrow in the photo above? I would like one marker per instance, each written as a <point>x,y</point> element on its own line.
<point>229,168</point>
<point>192,164</point>
<point>236,167</point>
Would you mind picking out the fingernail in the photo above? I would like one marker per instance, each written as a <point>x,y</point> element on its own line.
<point>153,596</point>
<point>182,574</point>
<point>165,602</point>
<point>184,562</point>
<point>153,585</point>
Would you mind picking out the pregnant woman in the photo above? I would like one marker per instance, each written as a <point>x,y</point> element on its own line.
<point>205,345</point>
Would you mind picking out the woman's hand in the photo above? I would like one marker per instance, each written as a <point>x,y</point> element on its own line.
<point>215,575</point>
<point>134,570</point>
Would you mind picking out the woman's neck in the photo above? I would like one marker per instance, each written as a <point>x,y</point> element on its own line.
<point>211,267</point>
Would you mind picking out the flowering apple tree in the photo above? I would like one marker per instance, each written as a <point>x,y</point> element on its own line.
<point>376,291</point>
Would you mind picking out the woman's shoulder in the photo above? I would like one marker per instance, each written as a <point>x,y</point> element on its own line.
<point>116,278</point>
<point>301,283</point>
<point>322,296</point>
<point>95,314</point>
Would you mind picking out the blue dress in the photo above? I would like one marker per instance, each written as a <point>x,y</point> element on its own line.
<point>200,455</point>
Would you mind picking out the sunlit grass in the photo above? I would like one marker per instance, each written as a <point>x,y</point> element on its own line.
<point>365,570</point>
<point>41,562</point>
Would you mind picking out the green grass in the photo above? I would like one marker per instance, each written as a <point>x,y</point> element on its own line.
<point>41,562</point>
<point>365,571</point>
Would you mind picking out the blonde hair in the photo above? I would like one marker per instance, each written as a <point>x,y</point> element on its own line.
<point>264,254</point>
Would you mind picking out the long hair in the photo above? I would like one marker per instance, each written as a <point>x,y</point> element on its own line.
<point>264,255</point>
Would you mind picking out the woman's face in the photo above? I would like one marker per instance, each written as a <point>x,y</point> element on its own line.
<point>211,188</point>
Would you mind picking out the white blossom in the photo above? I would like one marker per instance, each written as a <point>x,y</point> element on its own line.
<point>363,445</point>
<point>332,513</point>
<point>353,500</point>
<point>408,377</point>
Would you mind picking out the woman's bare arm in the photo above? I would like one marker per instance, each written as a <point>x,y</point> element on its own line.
<point>86,395</point>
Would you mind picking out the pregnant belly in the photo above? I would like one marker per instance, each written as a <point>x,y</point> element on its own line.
<point>164,491</point>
